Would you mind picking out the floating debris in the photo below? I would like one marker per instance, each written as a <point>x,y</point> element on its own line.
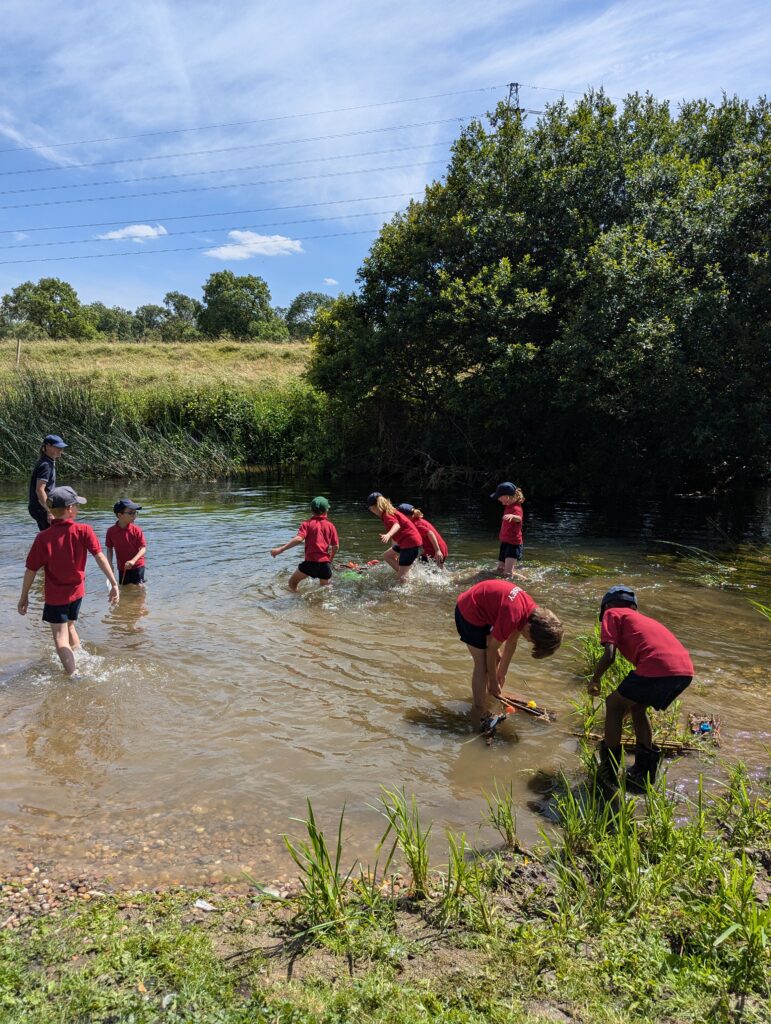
<point>705,727</point>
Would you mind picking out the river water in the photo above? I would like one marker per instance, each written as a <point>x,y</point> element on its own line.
<point>213,704</point>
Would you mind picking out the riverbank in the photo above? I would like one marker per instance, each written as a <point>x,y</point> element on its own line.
<point>626,915</point>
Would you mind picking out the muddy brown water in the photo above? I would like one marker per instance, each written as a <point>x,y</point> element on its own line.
<point>213,704</point>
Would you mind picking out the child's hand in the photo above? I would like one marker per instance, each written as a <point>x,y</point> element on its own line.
<point>385,539</point>
<point>23,605</point>
<point>114,596</point>
<point>130,564</point>
<point>510,517</point>
<point>439,558</point>
<point>274,552</point>
<point>593,688</point>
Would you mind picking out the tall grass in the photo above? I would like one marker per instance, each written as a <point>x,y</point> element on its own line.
<point>158,431</point>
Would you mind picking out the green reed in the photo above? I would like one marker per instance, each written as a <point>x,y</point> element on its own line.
<point>409,836</point>
<point>501,815</point>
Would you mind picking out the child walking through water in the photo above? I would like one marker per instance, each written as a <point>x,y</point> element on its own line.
<point>431,540</point>
<point>399,529</point>
<point>62,550</point>
<point>510,535</point>
<point>321,546</point>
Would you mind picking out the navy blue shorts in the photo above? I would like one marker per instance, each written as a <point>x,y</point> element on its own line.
<point>132,575</point>
<point>58,613</point>
<point>41,518</point>
<point>509,551</point>
<point>474,636</point>
<point>406,555</point>
<point>316,570</point>
<point>653,691</point>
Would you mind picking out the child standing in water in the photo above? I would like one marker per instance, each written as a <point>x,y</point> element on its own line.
<point>490,618</point>
<point>510,536</point>
<point>62,550</point>
<point>431,540</point>
<point>128,542</point>
<point>401,530</point>
<point>662,670</point>
<point>321,546</point>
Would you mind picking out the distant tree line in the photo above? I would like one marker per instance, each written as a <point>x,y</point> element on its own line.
<point>582,304</point>
<point>238,306</point>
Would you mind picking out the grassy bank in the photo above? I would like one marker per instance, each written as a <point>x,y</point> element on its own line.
<point>630,915</point>
<point>164,427</point>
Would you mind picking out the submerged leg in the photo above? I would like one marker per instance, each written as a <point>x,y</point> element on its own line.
<point>61,634</point>
<point>295,579</point>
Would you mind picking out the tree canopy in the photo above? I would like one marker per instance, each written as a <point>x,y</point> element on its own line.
<point>582,303</point>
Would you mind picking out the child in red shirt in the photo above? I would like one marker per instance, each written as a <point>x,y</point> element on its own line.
<point>128,542</point>
<point>490,618</point>
<point>401,530</point>
<point>510,535</point>
<point>321,546</point>
<point>662,670</point>
<point>431,540</point>
<point>62,550</point>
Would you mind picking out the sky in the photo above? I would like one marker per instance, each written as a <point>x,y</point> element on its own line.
<point>145,145</point>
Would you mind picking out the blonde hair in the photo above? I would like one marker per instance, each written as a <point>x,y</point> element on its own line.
<point>518,497</point>
<point>384,506</point>
<point>545,632</point>
<point>416,514</point>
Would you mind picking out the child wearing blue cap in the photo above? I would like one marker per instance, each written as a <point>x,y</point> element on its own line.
<point>510,535</point>
<point>128,542</point>
<point>43,479</point>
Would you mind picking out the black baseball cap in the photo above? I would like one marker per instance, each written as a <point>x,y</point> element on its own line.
<point>507,487</point>
<point>372,499</point>
<point>125,505</point>
<point>406,508</point>
<point>55,441</point>
<point>620,593</point>
<point>62,497</point>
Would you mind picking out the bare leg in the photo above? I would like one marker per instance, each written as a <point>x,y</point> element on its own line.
<point>500,567</point>
<point>61,634</point>
<point>74,638</point>
<point>643,731</point>
<point>479,677</point>
<point>616,710</point>
<point>296,578</point>
<point>392,557</point>
<point>325,583</point>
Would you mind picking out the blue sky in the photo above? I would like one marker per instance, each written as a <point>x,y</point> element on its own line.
<point>284,191</point>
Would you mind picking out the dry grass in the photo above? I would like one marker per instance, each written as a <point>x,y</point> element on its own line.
<point>146,363</point>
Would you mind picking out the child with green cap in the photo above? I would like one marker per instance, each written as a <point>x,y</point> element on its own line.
<point>321,545</point>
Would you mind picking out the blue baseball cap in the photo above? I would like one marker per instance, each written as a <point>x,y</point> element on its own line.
<point>63,497</point>
<point>406,508</point>
<point>125,505</point>
<point>507,487</point>
<point>620,593</point>
<point>55,441</point>
<point>372,499</point>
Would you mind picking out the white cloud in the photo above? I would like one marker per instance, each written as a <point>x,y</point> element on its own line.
<point>246,244</point>
<point>330,280</point>
<point>19,236</point>
<point>136,232</point>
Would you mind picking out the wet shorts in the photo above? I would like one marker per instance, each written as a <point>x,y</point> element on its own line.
<point>474,636</point>
<point>653,691</point>
<point>132,575</point>
<point>317,570</point>
<point>58,613</point>
<point>509,551</point>
<point>406,555</point>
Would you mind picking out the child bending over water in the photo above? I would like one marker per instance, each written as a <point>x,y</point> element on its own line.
<point>401,530</point>
<point>431,540</point>
<point>321,546</point>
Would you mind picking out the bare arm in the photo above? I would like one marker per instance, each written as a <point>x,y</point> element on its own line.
<point>109,556</point>
<point>106,568</point>
<point>607,659</point>
<point>512,518</point>
<point>333,549</point>
<point>29,579</point>
<point>133,561</point>
<point>438,556</point>
<point>42,497</point>
<point>493,646</point>
<point>289,544</point>
<point>507,654</point>
<point>386,537</point>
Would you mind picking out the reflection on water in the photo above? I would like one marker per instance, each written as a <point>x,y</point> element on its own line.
<point>211,703</point>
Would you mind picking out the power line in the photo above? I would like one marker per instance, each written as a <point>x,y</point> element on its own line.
<point>214,227</point>
<point>212,188</point>
<point>244,124</point>
<point>216,213</point>
<point>224,170</point>
<point>233,149</point>
<point>159,252</point>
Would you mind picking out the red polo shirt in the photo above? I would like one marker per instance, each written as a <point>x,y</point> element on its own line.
<point>498,604</point>
<point>423,527</point>
<point>650,647</point>
<point>407,535</point>
<point>62,550</point>
<point>511,532</point>
<point>126,541</point>
<point>318,534</point>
